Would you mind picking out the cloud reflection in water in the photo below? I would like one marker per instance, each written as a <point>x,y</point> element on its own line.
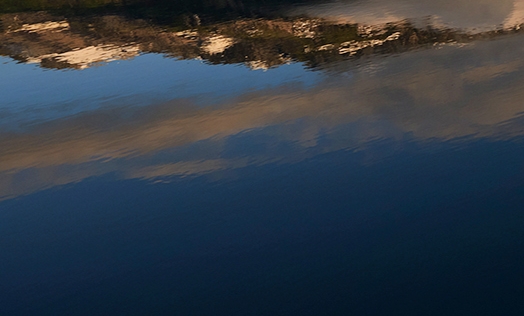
<point>446,93</point>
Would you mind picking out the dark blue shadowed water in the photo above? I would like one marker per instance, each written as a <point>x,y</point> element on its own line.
<point>243,166</point>
<point>429,232</point>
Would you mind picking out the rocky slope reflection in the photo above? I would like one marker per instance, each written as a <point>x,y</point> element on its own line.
<point>470,15</point>
<point>80,41</point>
<point>453,94</point>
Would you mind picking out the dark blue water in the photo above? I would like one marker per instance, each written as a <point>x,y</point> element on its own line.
<point>426,231</point>
<point>384,183</point>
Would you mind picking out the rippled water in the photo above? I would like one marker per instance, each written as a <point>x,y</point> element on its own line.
<point>261,158</point>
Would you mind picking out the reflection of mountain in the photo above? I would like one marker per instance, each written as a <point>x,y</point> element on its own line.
<point>450,93</point>
<point>473,15</point>
<point>58,42</point>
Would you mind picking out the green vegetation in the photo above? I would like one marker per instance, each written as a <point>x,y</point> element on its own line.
<point>338,33</point>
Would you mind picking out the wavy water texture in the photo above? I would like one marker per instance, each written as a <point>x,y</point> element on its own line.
<point>441,94</point>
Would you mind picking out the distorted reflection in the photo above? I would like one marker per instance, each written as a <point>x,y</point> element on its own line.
<point>474,16</point>
<point>63,39</point>
<point>447,93</point>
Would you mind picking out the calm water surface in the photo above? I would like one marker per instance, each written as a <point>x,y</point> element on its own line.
<point>262,157</point>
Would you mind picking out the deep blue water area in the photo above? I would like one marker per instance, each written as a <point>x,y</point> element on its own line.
<point>428,230</point>
<point>310,158</point>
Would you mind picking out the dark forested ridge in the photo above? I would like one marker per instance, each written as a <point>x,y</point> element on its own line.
<point>159,9</point>
<point>173,13</point>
